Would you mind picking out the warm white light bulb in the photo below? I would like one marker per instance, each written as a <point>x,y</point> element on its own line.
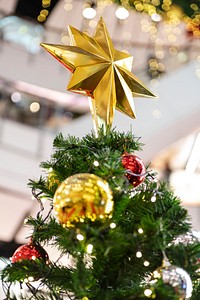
<point>113,225</point>
<point>89,248</point>
<point>122,13</point>
<point>80,237</point>
<point>89,13</point>
<point>146,263</point>
<point>148,292</point>
<point>34,107</point>
<point>153,198</point>
<point>16,97</point>
<point>156,17</point>
<point>96,163</point>
<point>138,254</point>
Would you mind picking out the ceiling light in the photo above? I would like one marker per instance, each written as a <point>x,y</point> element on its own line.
<point>15,97</point>
<point>34,107</point>
<point>88,11</point>
<point>156,17</point>
<point>68,6</point>
<point>122,13</point>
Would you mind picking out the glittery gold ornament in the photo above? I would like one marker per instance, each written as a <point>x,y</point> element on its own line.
<point>100,72</point>
<point>82,196</point>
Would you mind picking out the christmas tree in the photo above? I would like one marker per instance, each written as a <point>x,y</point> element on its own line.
<point>124,234</point>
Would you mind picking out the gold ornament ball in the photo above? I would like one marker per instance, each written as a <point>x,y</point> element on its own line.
<point>82,196</point>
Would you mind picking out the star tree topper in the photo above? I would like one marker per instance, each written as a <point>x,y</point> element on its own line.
<point>100,72</point>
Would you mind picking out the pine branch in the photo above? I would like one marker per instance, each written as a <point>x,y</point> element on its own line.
<point>126,246</point>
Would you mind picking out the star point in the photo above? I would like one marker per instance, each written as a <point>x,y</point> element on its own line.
<point>100,72</point>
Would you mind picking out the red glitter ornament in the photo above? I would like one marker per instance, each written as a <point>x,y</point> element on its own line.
<point>136,168</point>
<point>30,251</point>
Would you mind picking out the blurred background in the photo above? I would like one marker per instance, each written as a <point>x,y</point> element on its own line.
<point>164,39</point>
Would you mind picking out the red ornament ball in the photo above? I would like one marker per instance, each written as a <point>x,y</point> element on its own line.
<point>30,251</point>
<point>136,168</point>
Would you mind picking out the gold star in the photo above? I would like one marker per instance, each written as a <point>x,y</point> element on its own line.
<point>100,72</point>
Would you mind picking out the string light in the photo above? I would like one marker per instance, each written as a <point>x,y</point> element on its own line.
<point>65,37</point>
<point>113,225</point>
<point>16,97</point>
<point>122,13</point>
<point>154,82</point>
<point>89,248</point>
<point>138,254</point>
<point>44,12</point>
<point>156,274</point>
<point>173,51</point>
<point>89,11</point>
<point>80,237</point>
<point>46,3</point>
<point>43,15</point>
<point>34,107</point>
<point>156,17</point>
<point>146,263</point>
<point>182,56</point>
<point>96,163</point>
<point>153,198</point>
<point>92,23</point>
<point>68,6</point>
<point>148,293</point>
